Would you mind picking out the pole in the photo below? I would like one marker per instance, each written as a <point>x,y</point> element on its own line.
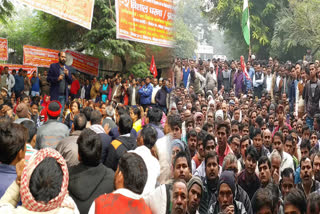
<point>249,57</point>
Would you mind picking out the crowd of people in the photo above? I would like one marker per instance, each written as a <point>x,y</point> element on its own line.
<point>210,138</point>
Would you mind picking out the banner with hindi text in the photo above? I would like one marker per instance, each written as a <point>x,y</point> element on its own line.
<point>79,12</point>
<point>40,57</point>
<point>84,63</point>
<point>3,49</point>
<point>146,21</point>
<point>28,68</point>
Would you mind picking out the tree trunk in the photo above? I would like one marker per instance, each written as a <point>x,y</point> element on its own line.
<point>124,63</point>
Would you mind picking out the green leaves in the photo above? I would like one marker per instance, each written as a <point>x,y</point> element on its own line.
<point>185,43</point>
<point>6,10</point>
<point>140,70</point>
<point>228,15</point>
<point>297,27</point>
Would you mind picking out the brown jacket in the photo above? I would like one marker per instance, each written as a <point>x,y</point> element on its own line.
<point>95,90</point>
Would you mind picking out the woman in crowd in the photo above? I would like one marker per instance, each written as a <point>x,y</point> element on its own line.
<point>135,115</point>
<point>74,110</point>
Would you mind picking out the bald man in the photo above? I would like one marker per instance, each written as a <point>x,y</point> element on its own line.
<point>267,142</point>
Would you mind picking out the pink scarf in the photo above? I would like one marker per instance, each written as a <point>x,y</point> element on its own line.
<point>62,200</point>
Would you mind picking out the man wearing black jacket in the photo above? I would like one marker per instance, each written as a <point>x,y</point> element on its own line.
<point>89,179</point>
<point>121,144</point>
<point>210,182</point>
<point>134,97</point>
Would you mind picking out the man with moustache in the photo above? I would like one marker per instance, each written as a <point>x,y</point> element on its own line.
<point>59,77</point>
<point>308,184</point>
<point>210,181</point>
<point>179,197</point>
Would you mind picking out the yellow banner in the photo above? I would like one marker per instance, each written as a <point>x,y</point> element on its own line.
<point>77,11</point>
<point>146,21</point>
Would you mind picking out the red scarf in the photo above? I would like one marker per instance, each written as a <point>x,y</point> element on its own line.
<point>62,200</point>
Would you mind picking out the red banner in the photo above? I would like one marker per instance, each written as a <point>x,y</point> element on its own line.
<point>28,68</point>
<point>76,11</point>
<point>84,63</point>
<point>3,49</point>
<point>40,57</point>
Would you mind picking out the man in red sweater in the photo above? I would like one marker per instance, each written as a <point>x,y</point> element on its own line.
<point>75,86</point>
<point>130,179</point>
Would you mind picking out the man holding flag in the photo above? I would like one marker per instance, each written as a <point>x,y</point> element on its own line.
<point>145,91</point>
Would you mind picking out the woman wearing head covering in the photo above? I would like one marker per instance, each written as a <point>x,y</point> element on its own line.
<point>44,106</point>
<point>42,186</point>
<point>176,147</point>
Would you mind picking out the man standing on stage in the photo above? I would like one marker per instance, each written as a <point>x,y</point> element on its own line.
<point>59,76</point>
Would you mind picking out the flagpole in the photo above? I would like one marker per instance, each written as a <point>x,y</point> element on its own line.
<point>249,57</point>
<point>245,24</point>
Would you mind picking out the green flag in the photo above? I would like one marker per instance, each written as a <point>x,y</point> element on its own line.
<point>246,22</point>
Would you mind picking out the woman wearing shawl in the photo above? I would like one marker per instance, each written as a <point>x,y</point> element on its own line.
<point>42,185</point>
<point>44,106</point>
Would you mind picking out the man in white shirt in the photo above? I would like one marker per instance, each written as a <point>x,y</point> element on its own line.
<point>156,88</point>
<point>268,79</point>
<point>146,148</point>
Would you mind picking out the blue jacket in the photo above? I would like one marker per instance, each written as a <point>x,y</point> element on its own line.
<point>161,96</point>
<point>145,94</point>
<point>292,94</point>
<point>247,81</point>
<point>185,76</point>
<point>7,176</point>
<point>35,84</point>
<point>52,78</point>
<point>19,83</point>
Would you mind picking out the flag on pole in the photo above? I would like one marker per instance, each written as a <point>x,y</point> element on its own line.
<point>246,22</point>
<point>153,68</point>
<point>244,68</point>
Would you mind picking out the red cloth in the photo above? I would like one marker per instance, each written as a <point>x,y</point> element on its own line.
<point>43,112</point>
<point>226,152</point>
<point>75,86</point>
<point>196,160</point>
<point>278,128</point>
<point>117,203</point>
<point>126,100</point>
<point>153,68</point>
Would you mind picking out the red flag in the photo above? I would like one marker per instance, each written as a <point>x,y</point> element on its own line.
<point>153,68</point>
<point>244,68</point>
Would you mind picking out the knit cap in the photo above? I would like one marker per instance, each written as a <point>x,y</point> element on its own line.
<point>227,177</point>
<point>194,180</point>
